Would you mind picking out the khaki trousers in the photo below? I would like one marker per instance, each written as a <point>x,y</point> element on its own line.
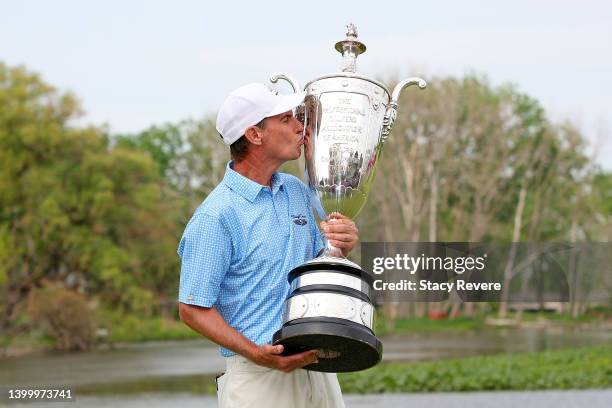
<point>248,385</point>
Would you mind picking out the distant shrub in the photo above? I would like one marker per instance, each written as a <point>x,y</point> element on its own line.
<point>64,315</point>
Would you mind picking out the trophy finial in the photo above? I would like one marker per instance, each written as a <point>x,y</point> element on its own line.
<point>351,30</point>
<point>350,48</point>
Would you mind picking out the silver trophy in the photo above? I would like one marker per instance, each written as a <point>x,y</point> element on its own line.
<point>347,118</point>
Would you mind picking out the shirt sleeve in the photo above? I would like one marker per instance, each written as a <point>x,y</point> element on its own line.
<point>205,250</point>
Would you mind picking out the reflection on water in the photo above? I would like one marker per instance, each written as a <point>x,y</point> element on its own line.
<point>135,362</point>
<point>190,366</point>
<point>427,346</point>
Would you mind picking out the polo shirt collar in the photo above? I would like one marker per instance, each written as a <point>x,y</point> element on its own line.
<point>246,187</point>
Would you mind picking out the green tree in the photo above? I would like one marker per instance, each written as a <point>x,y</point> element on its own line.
<point>189,155</point>
<point>73,209</point>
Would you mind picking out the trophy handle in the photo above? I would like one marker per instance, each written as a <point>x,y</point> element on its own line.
<point>391,112</point>
<point>280,75</point>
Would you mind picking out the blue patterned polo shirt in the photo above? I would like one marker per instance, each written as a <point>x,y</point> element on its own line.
<point>239,246</point>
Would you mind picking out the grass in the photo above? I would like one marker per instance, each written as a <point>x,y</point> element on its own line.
<point>589,367</point>
<point>118,328</point>
<point>557,317</point>
<point>412,325</point>
<point>417,325</point>
<point>131,328</point>
<point>25,343</point>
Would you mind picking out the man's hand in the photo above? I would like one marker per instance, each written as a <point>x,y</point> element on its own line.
<point>208,322</point>
<point>341,232</point>
<point>269,356</point>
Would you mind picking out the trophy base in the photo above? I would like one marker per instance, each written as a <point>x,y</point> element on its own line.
<point>343,346</point>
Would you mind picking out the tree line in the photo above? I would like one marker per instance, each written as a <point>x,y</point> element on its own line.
<point>99,215</point>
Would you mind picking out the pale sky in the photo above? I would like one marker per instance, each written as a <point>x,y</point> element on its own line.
<point>138,63</point>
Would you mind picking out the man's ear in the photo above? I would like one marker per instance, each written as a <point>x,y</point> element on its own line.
<point>253,134</point>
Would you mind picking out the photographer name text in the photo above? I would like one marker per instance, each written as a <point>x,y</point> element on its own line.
<point>427,285</point>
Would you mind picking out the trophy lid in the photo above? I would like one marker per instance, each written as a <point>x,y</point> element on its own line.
<point>350,48</point>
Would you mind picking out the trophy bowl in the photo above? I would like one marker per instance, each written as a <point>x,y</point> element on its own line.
<point>347,118</point>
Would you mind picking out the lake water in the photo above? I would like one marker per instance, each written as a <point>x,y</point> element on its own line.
<point>134,375</point>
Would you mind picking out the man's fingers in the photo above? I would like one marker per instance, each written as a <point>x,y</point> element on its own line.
<point>270,349</point>
<point>338,227</point>
<point>341,237</point>
<point>340,231</point>
<point>341,244</point>
<point>305,358</point>
<point>310,358</point>
<point>288,363</point>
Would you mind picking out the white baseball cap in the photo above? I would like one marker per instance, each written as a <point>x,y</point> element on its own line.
<point>249,105</point>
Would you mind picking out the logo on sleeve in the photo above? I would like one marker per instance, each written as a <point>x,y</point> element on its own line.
<point>299,219</point>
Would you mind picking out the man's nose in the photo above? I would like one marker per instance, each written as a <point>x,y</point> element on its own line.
<point>299,126</point>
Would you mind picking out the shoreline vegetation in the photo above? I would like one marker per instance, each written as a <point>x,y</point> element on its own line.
<point>118,330</point>
<point>581,368</point>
